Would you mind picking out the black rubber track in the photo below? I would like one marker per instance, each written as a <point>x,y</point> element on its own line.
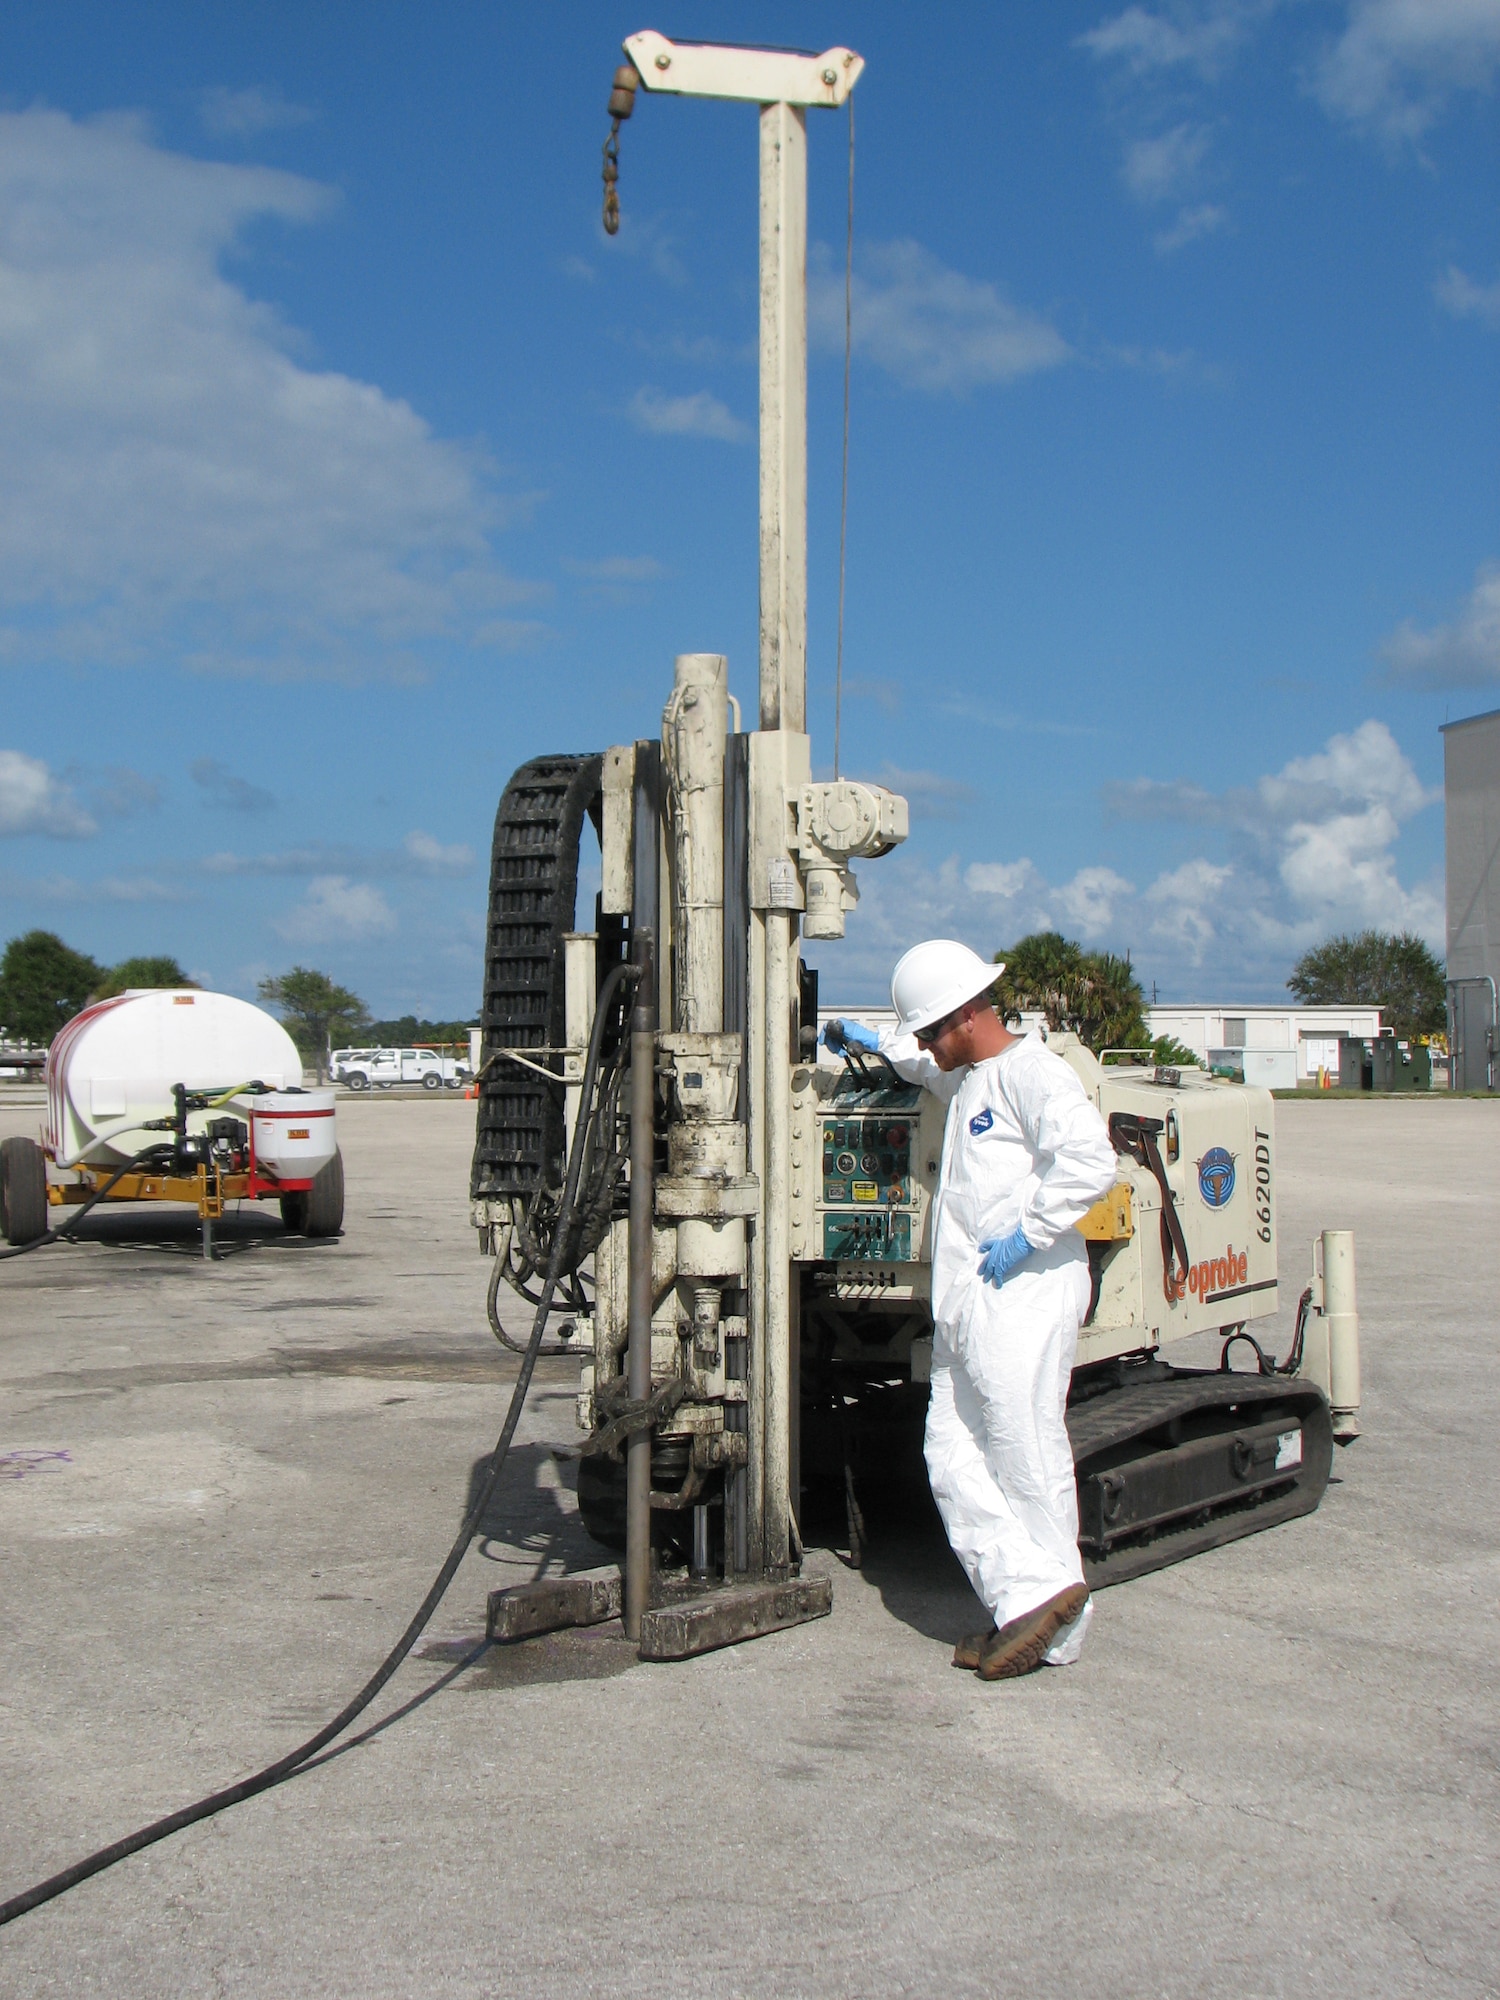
<point>518,1143</point>
<point>1137,1418</point>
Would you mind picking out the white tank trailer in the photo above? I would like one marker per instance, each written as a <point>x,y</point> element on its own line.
<point>747,1267</point>
<point>177,1095</point>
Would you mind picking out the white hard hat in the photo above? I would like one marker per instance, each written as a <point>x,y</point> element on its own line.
<point>934,979</point>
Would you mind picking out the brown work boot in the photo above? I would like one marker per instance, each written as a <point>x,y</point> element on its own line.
<point>966,1653</point>
<point>1021,1646</point>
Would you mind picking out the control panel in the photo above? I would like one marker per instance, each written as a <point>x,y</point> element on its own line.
<point>865,1156</point>
<point>867,1184</point>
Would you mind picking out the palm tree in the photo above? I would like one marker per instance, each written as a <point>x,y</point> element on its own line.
<point>1091,994</point>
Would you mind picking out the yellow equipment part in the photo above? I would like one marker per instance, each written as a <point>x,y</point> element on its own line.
<point>204,1191</point>
<point>1111,1220</point>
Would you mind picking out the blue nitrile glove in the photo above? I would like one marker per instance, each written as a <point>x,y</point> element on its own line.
<point>838,1035</point>
<point>999,1255</point>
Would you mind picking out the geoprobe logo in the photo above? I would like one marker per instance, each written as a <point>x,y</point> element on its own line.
<point>1215,1275</point>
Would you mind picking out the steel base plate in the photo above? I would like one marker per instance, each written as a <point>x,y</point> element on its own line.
<point>553,1603</point>
<point>725,1617</point>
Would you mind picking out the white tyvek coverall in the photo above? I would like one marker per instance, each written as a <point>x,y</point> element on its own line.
<point>1023,1148</point>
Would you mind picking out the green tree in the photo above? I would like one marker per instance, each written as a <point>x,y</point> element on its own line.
<point>315,1010</point>
<point>1113,1009</point>
<point>409,1028</point>
<point>1176,1055</point>
<point>141,974</point>
<point>43,983</point>
<point>1392,970</point>
<point>1091,994</point>
<point>1041,973</point>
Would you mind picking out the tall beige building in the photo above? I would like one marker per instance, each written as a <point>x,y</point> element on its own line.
<point>1471,792</point>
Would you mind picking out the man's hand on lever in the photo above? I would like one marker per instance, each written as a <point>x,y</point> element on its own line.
<point>840,1035</point>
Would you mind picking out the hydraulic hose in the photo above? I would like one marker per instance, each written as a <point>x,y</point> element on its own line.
<point>287,1766</point>
<point>65,1234</point>
<point>497,1325</point>
<point>1267,1363</point>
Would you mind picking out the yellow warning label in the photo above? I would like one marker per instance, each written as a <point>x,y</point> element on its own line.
<point>866,1191</point>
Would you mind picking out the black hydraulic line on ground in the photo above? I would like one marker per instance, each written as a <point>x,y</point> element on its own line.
<point>65,1234</point>
<point>287,1766</point>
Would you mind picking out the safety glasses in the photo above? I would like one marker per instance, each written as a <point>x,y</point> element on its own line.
<point>925,1037</point>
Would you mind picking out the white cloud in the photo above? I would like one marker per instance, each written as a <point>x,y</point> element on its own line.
<point>1156,169</point>
<point>433,858</point>
<point>1005,879</point>
<point>620,569</point>
<point>1344,866</point>
<point>931,327</point>
<point>1169,798</point>
<point>241,114</point>
<point>1182,902</point>
<point>1397,62</point>
<point>1011,720</point>
<point>419,854</point>
<point>1162,361</point>
<point>1207,219</point>
<point>1463,653</point>
<point>622,580</point>
<point>67,889</point>
<point>1456,292</point>
<point>133,889</point>
<point>1368,765</point>
<point>335,910</point>
<point>114,791</point>
<point>225,789</point>
<point>1089,901</point>
<point>1183,38</point>
<point>698,415</point>
<point>1390,69</point>
<point>512,635</point>
<point>175,484</point>
<point>1315,846</point>
<point>650,238</point>
<point>1309,851</point>
<point>32,800</point>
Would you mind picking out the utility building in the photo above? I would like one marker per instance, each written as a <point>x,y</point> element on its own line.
<point>1276,1047</point>
<point>1471,795</point>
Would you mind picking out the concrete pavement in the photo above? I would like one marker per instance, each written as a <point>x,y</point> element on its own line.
<point>225,1487</point>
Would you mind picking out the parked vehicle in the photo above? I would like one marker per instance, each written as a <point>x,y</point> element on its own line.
<point>341,1059</point>
<point>379,1069</point>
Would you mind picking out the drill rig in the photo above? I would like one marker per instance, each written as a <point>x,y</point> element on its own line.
<point>747,1257</point>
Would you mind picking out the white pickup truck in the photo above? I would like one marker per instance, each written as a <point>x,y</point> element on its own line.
<point>364,1069</point>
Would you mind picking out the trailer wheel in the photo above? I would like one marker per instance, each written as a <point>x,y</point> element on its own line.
<point>432,1081</point>
<point>23,1191</point>
<point>318,1210</point>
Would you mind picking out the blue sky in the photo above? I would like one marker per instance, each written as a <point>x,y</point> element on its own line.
<point>344,463</point>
